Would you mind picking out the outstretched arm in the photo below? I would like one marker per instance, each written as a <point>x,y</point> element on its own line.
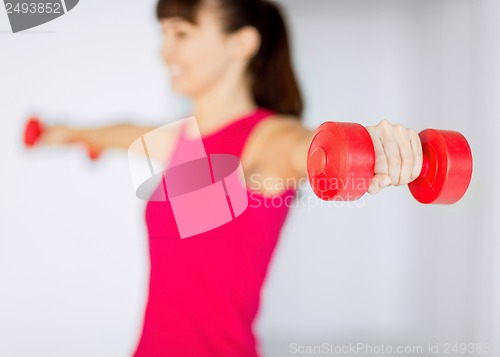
<point>118,136</point>
<point>284,144</point>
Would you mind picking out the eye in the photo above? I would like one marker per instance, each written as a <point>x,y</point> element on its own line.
<point>180,34</point>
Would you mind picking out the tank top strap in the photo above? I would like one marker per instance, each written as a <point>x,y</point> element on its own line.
<point>232,138</point>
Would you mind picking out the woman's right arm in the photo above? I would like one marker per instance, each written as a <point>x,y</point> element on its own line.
<point>118,136</point>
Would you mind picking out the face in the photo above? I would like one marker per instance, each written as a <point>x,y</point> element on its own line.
<point>197,55</point>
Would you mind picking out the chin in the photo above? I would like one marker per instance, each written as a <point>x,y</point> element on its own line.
<point>183,88</point>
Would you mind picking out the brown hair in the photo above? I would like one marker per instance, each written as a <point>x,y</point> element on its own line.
<point>274,84</point>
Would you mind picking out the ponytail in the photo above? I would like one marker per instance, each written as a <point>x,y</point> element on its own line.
<point>274,85</point>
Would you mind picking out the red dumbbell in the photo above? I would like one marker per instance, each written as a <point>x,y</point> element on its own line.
<point>341,164</point>
<point>32,132</point>
<point>34,129</point>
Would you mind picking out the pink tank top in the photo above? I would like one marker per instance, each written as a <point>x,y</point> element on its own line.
<point>204,291</point>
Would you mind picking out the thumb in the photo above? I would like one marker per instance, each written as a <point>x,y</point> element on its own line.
<point>379,181</point>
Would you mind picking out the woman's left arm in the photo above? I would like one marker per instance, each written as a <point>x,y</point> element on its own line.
<point>284,143</point>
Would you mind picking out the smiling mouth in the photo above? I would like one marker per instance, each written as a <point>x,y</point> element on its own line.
<point>175,70</point>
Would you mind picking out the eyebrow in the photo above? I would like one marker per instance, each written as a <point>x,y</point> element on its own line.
<point>175,20</point>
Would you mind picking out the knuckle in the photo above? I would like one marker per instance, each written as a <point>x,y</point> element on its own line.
<point>384,123</point>
<point>399,127</point>
<point>412,132</point>
<point>416,138</point>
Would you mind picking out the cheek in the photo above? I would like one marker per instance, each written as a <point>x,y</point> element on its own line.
<point>203,67</point>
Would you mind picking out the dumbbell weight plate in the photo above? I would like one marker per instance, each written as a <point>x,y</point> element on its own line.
<point>340,161</point>
<point>446,170</point>
<point>32,131</point>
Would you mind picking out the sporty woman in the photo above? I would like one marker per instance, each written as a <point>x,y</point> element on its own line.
<point>232,59</point>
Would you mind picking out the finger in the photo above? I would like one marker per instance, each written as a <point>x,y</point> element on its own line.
<point>381,166</point>
<point>392,154</point>
<point>406,154</point>
<point>417,154</point>
<point>378,182</point>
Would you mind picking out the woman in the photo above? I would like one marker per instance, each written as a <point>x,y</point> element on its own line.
<point>231,57</point>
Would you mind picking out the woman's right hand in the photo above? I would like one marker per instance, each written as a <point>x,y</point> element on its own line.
<point>64,135</point>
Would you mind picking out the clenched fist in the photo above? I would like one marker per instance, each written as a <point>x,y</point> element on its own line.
<point>398,155</point>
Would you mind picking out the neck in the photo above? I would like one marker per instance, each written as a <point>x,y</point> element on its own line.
<point>222,104</point>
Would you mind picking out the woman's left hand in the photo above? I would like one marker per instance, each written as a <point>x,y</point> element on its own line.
<point>398,155</point>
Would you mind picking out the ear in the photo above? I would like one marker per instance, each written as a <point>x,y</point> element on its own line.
<point>246,42</point>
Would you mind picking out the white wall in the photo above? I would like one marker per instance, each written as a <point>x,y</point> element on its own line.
<point>73,260</point>
<point>394,271</point>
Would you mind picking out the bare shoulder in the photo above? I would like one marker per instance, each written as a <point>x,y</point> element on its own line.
<point>269,137</point>
<point>269,129</point>
<point>277,123</point>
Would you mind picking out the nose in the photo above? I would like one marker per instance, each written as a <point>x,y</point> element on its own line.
<point>165,52</point>
<point>167,48</point>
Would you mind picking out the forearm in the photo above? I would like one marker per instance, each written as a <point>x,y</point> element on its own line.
<point>159,141</point>
<point>118,136</point>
